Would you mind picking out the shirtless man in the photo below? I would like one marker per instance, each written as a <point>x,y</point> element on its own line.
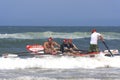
<point>50,46</point>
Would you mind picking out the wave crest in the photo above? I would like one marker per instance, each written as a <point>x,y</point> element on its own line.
<point>42,35</point>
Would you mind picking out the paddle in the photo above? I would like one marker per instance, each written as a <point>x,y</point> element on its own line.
<point>83,51</point>
<point>108,48</point>
<point>19,53</point>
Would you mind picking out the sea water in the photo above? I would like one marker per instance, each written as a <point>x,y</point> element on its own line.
<point>14,40</point>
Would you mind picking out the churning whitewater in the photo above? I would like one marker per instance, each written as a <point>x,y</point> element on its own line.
<point>13,40</point>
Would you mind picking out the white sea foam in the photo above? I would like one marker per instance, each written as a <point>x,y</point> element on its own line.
<point>73,35</point>
<point>64,62</point>
<point>44,78</point>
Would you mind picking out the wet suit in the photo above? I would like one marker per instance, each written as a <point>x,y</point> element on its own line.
<point>63,47</point>
<point>70,46</point>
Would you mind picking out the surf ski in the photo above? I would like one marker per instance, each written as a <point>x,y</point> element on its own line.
<point>37,50</point>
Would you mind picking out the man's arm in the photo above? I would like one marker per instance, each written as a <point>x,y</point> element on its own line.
<point>57,44</point>
<point>101,38</point>
<point>75,47</point>
<point>44,45</point>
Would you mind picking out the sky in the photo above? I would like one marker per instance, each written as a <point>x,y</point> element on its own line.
<point>59,12</point>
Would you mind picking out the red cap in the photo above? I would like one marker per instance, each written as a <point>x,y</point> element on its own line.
<point>65,40</point>
<point>50,38</point>
<point>94,30</point>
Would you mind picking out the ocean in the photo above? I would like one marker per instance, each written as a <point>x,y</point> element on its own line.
<point>13,40</point>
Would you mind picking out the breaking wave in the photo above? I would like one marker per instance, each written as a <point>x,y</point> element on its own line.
<point>42,35</point>
<point>64,62</point>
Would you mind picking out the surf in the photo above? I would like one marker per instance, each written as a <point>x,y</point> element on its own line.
<point>63,62</point>
<point>62,35</point>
